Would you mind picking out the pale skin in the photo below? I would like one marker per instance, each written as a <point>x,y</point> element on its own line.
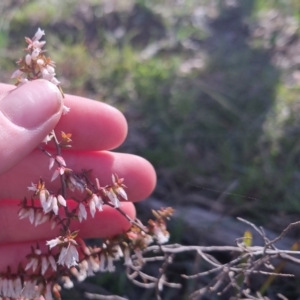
<point>96,128</point>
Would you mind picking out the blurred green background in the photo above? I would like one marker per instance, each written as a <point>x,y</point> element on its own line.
<point>210,90</point>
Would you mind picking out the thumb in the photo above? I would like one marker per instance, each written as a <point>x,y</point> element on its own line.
<point>27,114</point>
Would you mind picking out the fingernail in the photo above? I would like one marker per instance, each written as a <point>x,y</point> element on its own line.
<point>31,104</point>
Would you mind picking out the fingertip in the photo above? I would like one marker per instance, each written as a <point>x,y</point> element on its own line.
<point>94,125</point>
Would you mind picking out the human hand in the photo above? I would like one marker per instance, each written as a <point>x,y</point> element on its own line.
<point>28,114</point>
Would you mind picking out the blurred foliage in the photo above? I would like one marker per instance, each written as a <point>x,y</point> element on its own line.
<point>210,89</point>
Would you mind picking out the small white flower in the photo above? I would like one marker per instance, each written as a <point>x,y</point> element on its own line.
<point>31,215</point>
<point>52,262</point>
<point>39,218</point>
<point>68,256</point>
<point>37,44</point>
<point>68,283</point>
<point>47,139</point>
<point>52,205</point>
<point>65,108</point>
<point>161,281</point>
<point>57,82</point>
<point>51,70</point>
<point>82,214</point>
<point>58,171</point>
<point>28,291</point>
<point>17,74</point>
<point>161,236</point>
<point>127,257</point>
<point>45,265</point>
<point>92,207</point>
<point>48,293</point>
<point>61,200</point>
<point>40,62</point>
<point>61,160</point>
<point>28,59</point>
<point>121,192</point>
<point>33,187</point>
<point>51,162</point>
<point>54,242</point>
<point>113,198</point>
<point>17,283</point>
<point>33,263</point>
<point>23,213</point>
<point>35,53</point>
<point>23,80</point>
<point>43,194</point>
<point>110,264</point>
<point>38,35</point>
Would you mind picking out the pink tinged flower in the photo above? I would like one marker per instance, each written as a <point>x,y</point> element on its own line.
<point>31,215</point>
<point>17,74</point>
<point>29,291</point>
<point>10,289</point>
<point>40,62</point>
<point>33,263</point>
<point>51,162</point>
<point>127,257</point>
<point>45,265</point>
<point>82,214</point>
<point>52,262</point>
<point>4,289</point>
<point>110,264</point>
<point>54,242</point>
<point>65,108</point>
<point>61,200</point>
<point>93,266</point>
<point>38,35</point>
<point>48,292</point>
<point>161,236</point>
<point>23,80</point>
<point>28,59</point>
<point>35,53</point>
<point>37,44</point>
<point>117,252</point>
<point>53,224</point>
<point>92,207</point>
<point>121,192</point>
<point>40,218</point>
<point>57,82</point>
<point>68,256</point>
<point>17,283</point>
<point>24,213</point>
<point>161,281</point>
<point>43,198</point>
<point>33,187</point>
<point>68,283</point>
<point>47,139</point>
<point>57,172</point>
<point>51,204</point>
<point>61,160</point>
<point>113,198</point>
<point>51,70</point>
<point>55,205</point>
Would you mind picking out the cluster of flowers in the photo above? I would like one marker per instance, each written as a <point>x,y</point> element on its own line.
<point>38,279</point>
<point>67,256</point>
<point>35,65</point>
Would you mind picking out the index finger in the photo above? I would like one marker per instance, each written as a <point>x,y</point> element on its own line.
<point>94,125</point>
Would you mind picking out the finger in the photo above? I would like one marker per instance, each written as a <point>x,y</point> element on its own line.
<point>27,114</point>
<point>139,175</point>
<point>93,125</point>
<point>106,223</point>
